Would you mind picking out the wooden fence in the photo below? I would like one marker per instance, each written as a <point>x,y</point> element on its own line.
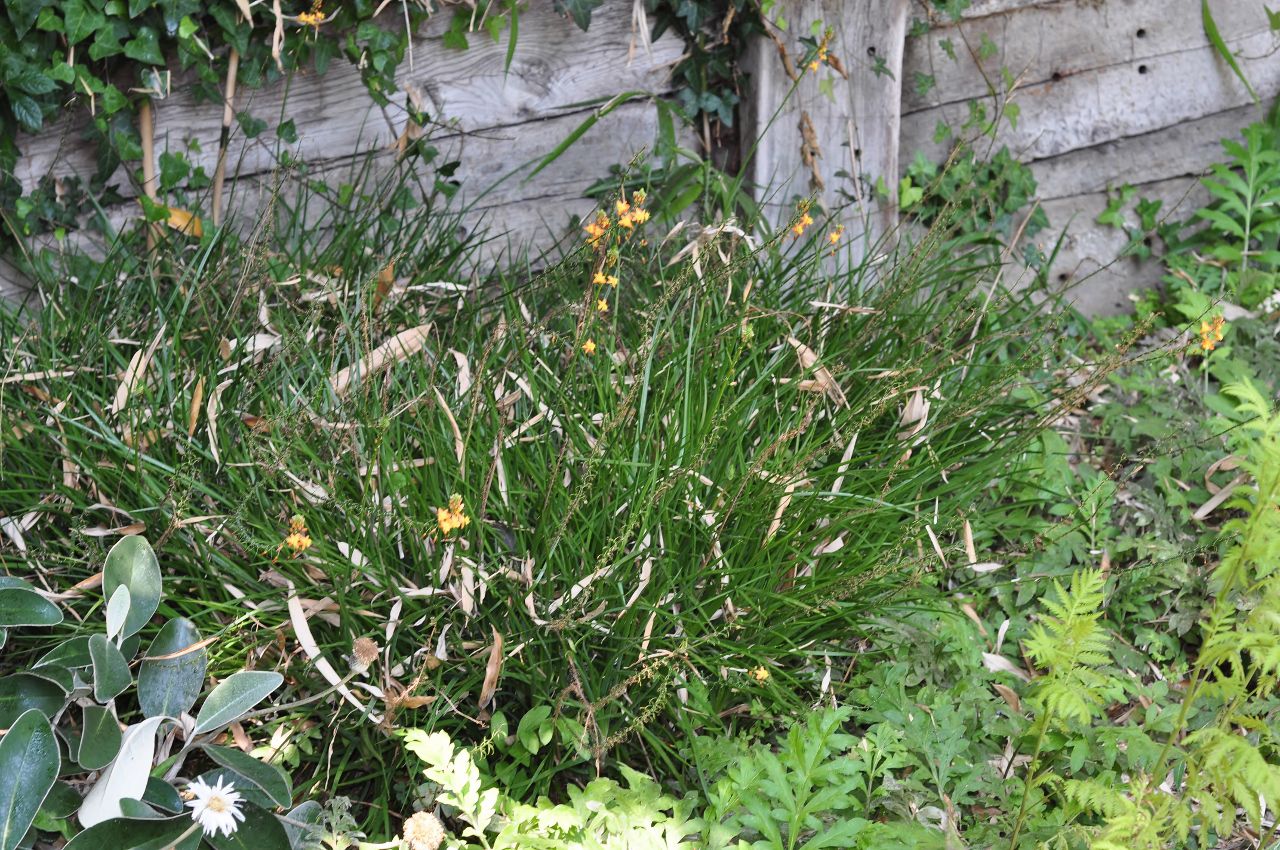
<point>1109,92</point>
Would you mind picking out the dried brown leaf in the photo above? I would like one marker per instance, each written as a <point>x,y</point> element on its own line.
<point>400,347</point>
<point>492,670</point>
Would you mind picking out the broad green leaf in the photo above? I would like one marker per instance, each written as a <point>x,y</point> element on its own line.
<point>529,731</point>
<point>235,697</point>
<point>81,20</point>
<point>144,47</point>
<point>126,777</point>
<point>132,563</point>
<point>99,739</point>
<point>62,801</point>
<point>21,692</point>
<point>70,653</point>
<point>22,607</point>
<point>60,676</point>
<point>110,671</point>
<point>136,834</point>
<point>261,830</point>
<point>272,780</point>
<point>171,685</point>
<point>163,795</point>
<point>27,111</point>
<point>29,761</point>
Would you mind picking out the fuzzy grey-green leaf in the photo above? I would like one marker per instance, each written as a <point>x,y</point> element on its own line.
<point>132,563</point>
<point>170,686</point>
<point>99,738</point>
<point>22,607</point>
<point>110,671</point>
<point>235,697</point>
<point>29,761</point>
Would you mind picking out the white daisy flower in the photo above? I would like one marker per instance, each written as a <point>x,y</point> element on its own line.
<point>215,807</point>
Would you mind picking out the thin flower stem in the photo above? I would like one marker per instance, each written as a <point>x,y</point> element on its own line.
<point>1031,772</point>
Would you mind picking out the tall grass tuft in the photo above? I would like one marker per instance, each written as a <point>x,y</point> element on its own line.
<point>756,463</point>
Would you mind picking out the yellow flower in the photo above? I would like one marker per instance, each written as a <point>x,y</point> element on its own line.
<point>638,197</point>
<point>639,216</point>
<point>599,279</point>
<point>597,228</point>
<point>297,524</point>
<point>612,280</point>
<point>625,221</point>
<point>621,206</point>
<point>1211,333</point>
<point>315,17</point>
<point>452,518</point>
<point>834,236</point>
<point>799,227</point>
<point>760,674</point>
<point>602,305</point>
<point>589,347</point>
<point>298,541</point>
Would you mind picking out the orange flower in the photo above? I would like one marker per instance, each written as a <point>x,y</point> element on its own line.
<point>452,518</point>
<point>799,227</point>
<point>589,347</point>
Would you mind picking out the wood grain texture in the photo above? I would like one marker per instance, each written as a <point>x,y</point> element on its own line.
<point>1099,280</point>
<point>855,129</point>
<point>494,123</point>
<point>1048,42</point>
<point>1111,103</point>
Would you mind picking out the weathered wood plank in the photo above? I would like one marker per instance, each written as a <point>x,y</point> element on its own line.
<point>1116,102</point>
<point>1089,261</point>
<point>556,69</point>
<point>1182,150</point>
<point>1047,42</point>
<point>493,123</point>
<point>855,130</point>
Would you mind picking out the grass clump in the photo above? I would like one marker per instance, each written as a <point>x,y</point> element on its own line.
<point>689,525</point>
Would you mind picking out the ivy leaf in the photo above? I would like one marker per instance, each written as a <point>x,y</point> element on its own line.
<point>455,37</point>
<point>106,42</point>
<point>174,168</point>
<point>579,10</point>
<point>27,111</point>
<point>81,20</point>
<point>26,79</point>
<point>251,126</point>
<point>23,14</point>
<point>145,47</point>
<point>113,100</point>
<point>49,21</point>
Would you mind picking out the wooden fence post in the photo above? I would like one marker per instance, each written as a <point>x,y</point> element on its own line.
<point>830,134</point>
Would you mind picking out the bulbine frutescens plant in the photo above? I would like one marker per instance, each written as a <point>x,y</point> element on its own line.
<point>1200,758</point>
<point>689,470</point>
<point>96,751</point>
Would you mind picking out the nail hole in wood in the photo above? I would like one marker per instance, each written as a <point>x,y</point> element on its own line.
<point>1141,33</point>
<point>871,51</point>
<point>1142,69</point>
<point>1057,76</point>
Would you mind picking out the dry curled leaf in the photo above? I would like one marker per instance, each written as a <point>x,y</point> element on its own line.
<point>400,347</point>
<point>492,670</point>
<point>823,379</point>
